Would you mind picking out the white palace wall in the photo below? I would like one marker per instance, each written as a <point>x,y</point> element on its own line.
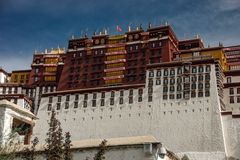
<point>183,125</point>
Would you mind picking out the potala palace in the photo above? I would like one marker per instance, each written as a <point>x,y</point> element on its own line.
<point>144,83</point>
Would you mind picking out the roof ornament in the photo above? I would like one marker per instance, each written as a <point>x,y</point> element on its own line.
<point>85,35</point>
<point>46,51</point>
<point>94,33</point>
<point>140,27</point>
<point>129,28</point>
<point>166,23</point>
<point>105,31</point>
<point>197,36</point>
<point>149,25</point>
<point>220,44</point>
<point>72,36</point>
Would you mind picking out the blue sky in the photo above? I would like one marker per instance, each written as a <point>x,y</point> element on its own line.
<point>28,25</point>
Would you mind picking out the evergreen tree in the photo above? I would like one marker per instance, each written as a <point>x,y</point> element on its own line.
<point>102,150</point>
<point>54,140</point>
<point>30,153</point>
<point>67,146</point>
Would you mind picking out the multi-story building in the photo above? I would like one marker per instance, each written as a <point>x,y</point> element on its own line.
<point>20,76</point>
<point>3,76</point>
<point>46,67</point>
<point>105,60</point>
<point>139,83</point>
<point>233,57</point>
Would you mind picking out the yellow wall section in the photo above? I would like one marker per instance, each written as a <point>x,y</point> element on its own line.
<point>113,81</point>
<point>217,54</point>
<point>20,77</point>
<point>49,78</point>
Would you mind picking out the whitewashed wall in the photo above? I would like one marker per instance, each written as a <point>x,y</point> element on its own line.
<point>182,125</point>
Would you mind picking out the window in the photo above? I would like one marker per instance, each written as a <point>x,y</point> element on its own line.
<point>94,103</point>
<point>111,101</point>
<point>193,86</point>
<point>200,69</point>
<point>238,99</point>
<point>165,89</point>
<point>200,94</point>
<point>172,72</point>
<point>150,90</point>
<point>179,87</point>
<point>84,104</point>
<point>207,93</point>
<point>15,89</point>
<point>67,98</point>
<point>66,105</point>
<point>172,81</point>
<point>151,74</point>
<point>229,79</point>
<point>165,81</point>
<point>140,99</point>
<point>130,100</point>
<point>172,89</point>
<point>231,99</point>
<point>150,98</point>
<point>171,96</point>
<point>15,100</point>
<point>75,104</point>
<point>112,94</point>
<point>165,97</point>
<point>150,82</point>
<point>179,80</point>
<point>49,107</point>
<point>158,81</point>
<point>186,86</point>
<point>158,73</point>
<point>103,95</point>
<point>179,96</point>
<point>121,100</point>
<point>121,93</point>
<point>186,94</point>
<point>140,91</point>
<point>76,97</point>
<point>207,85</point>
<point>194,69</point>
<point>94,95</point>
<point>195,53</point>
<point>130,92</point>
<point>179,70</point>
<point>238,90</point>
<point>200,78</point>
<point>85,97</point>
<point>207,77</point>
<point>59,98</point>
<point>58,106</point>
<point>208,68</point>
<point>193,94</point>
<point>200,86</point>
<point>194,78</point>
<point>102,102</point>
<point>231,91</point>
<point>50,100</point>
<point>186,79</point>
<point>165,72</point>
<point>186,69</point>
